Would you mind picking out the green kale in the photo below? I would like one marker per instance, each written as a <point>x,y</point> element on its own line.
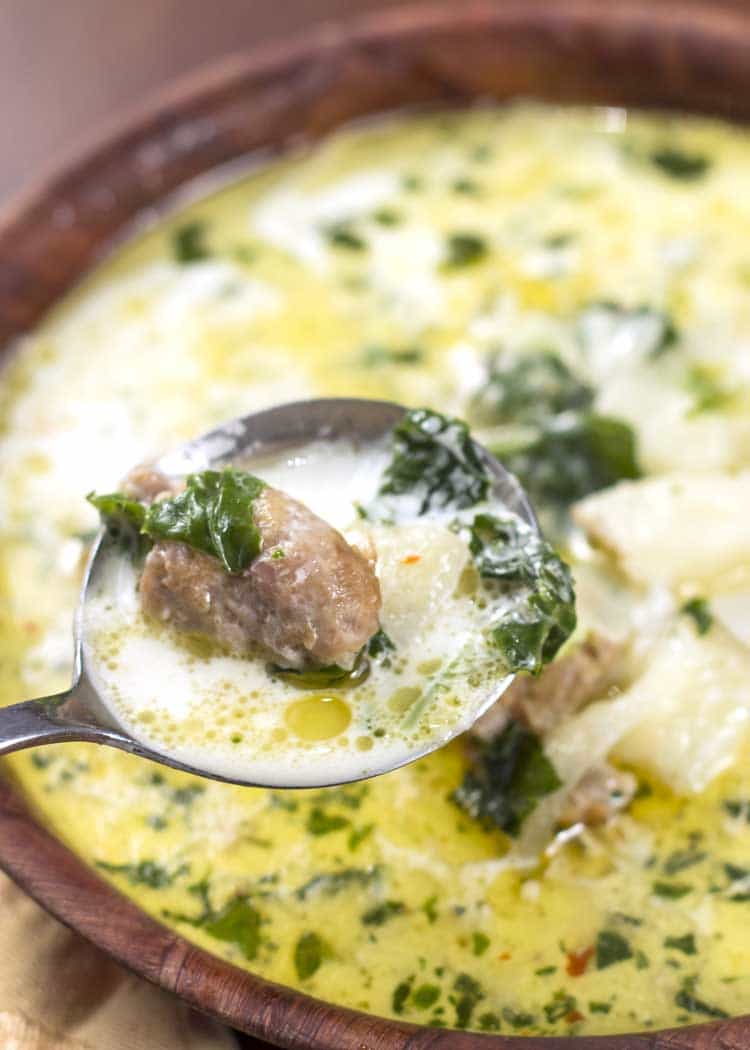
<point>358,835</point>
<point>571,456</point>
<point>380,647</point>
<point>541,615</point>
<point>189,243</point>
<point>561,1004</point>
<point>611,948</point>
<point>323,677</point>
<point>708,393</point>
<point>330,883</point>
<point>386,217</point>
<point>679,164</point>
<point>309,953</point>
<point>381,913</point>
<point>509,776</point>
<point>341,235</point>
<point>599,1008</point>
<point>464,249</point>
<point>532,388</point>
<point>238,922</point>
<point>401,993</point>
<point>426,996</point>
<point>435,464</point>
<point>680,859</point>
<point>213,514</point>
<point>480,942</point>
<point>321,823</point>
<point>489,1022</point>
<point>376,356</point>
<point>118,511</point>
<point>144,873</point>
<point>670,890</point>
<point>687,1000</point>
<point>517,1018</point>
<point>699,611</point>
<point>467,993</point>
<point>685,944</point>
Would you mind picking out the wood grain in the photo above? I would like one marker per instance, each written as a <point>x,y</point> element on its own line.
<point>692,56</point>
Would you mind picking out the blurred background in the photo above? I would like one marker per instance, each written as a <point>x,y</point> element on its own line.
<point>66,66</point>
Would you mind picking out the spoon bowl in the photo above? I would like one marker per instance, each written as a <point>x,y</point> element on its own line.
<point>81,714</point>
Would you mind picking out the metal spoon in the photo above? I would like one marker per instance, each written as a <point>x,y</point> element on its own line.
<point>79,713</point>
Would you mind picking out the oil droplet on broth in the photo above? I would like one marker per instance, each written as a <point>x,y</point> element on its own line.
<point>402,699</point>
<point>318,717</point>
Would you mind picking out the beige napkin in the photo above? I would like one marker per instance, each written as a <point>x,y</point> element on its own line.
<point>58,992</point>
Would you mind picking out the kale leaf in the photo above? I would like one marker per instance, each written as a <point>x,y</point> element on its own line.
<point>213,514</point>
<point>189,243</point>
<point>550,438</point>
<point>700,613</point>
<point>679,164</point>
<point>435,465</point>
<point>541,614</point>
<point>530,389</point>
<point>309,953</point>
<point>509,776</point>
<point>573,455</point>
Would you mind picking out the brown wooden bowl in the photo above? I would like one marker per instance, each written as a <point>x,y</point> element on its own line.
<point>692,56</point>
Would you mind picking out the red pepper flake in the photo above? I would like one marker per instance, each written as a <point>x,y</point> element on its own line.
<point>578,961</point>
<point>411,559</point>
<point>504,956</point>
<point>573,1016</point>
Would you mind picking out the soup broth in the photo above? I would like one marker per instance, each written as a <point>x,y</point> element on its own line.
<point>425,260</point>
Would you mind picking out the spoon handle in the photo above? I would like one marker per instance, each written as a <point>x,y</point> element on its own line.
<point>36,722</point>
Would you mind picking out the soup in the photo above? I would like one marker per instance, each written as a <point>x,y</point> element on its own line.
<point>575,283</point>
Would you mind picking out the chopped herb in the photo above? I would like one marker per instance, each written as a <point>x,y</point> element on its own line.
<point>542,614</point>
<point>435,464</point>
<point>278,553</point>
<point>401,993</point>
<point>489,1022</point>
<point>611,948</point>
<point>186,795</point>
<point>684,944</point>
<point>412,183</point>
<point>707,392</point>
<point>545,971</point>
<point>386,217</point>
<point>144,873</point>
<point>700,612</point>
<point>517,1018</point>
<point>321,823</point>
<point>530,389</point>
<point>599,1008</point>
<point>480,942</point>
<point>380,647</point>
<point>376,356</point>
<point>464,249</point>
<point>189,243</point>
<point>341,235</point>
<point>428,907</point>
<point>381,913</point>
<point>466,186</point>
<point>118,511</point>
<point>641,960</point>
<point>358,835</point>
<point>681,859</point>
<point>329,883</point>
<point>426,996</point>
<point>41,761</point>
<point>687,1000</point>
<point>467,993</point>
<point>671,890</point>
<point>309,953</point>
<point>157,822</point>
<point>238,922</point>
<point>679,164</point>
<point>505,783</point>
<point>737,808</point>
<point>561,1004</point>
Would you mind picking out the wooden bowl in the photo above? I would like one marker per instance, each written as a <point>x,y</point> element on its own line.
<point>692,56</point>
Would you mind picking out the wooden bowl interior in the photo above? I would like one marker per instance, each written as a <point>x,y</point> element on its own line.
<point>688,56</point>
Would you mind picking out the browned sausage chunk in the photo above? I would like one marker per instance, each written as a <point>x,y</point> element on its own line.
<point>309,598</point>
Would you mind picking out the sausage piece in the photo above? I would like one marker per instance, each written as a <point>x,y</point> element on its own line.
<point>309,598</point>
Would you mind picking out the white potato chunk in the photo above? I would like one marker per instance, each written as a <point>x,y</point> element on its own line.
<point>419,567</point>
<point>672,530</point>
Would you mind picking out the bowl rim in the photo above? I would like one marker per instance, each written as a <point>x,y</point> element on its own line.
<point>39,862</point>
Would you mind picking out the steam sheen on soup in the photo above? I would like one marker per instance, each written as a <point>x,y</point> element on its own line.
<point>575,284</point>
